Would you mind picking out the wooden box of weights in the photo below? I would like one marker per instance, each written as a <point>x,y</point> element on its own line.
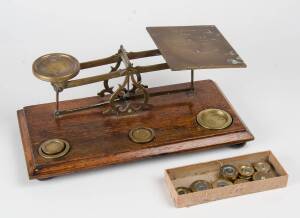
<point>182,177</point>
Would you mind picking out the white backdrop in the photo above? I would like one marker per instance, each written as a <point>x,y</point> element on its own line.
<point>266,95</point>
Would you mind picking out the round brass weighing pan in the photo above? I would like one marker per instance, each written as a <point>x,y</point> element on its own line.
<point>56,67</point>
<point>213,118</point>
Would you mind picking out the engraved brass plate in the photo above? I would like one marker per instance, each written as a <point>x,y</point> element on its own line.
<point>214,119</point>
<point>194,47</point>
<point>56,67</point>
<point>141,135</point>
<point>54,148</point>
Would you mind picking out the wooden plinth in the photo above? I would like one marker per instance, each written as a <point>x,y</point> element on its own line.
<point>98,140</point>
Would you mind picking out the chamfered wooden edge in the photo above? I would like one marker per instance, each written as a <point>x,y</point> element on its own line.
<point>279,181</point>
<point>26,143</point>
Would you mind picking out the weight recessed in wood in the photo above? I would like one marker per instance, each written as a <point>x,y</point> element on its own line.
<point>214,118</point>
<point>56,67</point>
<point>54,148</point>
<point>141,135</point>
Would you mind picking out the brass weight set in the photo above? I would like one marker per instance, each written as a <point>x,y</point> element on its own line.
<point>230,175</point>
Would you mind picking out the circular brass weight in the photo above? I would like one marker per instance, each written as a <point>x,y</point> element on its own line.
<point>54,148</point>
<point>221,183</point>
<point>214,119</point>
<point>262,166</point>
<point>228,172</point>
<point>246,171</point>
<point>200,185</point>
<point>56,67</point>
<point>141,135</point>
<point>183,190</point>
<point>262,175</point>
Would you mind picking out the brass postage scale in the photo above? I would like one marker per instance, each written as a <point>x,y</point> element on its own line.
<point>132,121</point>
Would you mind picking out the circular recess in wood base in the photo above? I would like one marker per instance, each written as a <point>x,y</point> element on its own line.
<point>54,148</point>
<point>141,135</point>
<point>214,119</point>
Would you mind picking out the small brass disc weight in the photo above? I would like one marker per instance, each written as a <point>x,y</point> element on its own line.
<point>200,185</point>
<point>141,135</point>
<point>54,148</point>
<point>221,183</point>
<point>183,190</point>
<point>214,119</point>
<point>56,67</point>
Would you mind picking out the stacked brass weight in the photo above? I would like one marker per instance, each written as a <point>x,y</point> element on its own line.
<point>229,175</point>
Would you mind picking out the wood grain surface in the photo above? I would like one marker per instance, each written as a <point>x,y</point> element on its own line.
<point>97,140</point>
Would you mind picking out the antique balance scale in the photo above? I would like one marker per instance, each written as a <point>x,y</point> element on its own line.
<point>132,121</point>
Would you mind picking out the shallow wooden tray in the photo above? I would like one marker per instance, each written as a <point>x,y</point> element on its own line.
<point>98,140</point>
<point>184,176</point>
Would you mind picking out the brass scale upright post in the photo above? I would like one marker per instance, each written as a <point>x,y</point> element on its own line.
<point>58,68</point>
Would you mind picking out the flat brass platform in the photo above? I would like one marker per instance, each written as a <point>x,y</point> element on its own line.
<point>97,140</point>
<point>194,47</point>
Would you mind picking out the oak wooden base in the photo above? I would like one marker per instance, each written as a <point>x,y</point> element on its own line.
<point>98,140</point>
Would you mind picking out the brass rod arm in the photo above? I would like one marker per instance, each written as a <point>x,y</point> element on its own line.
<point>150,68</point>
<point>114,58</point>
<point>124,57</point>
<point>115,74</point>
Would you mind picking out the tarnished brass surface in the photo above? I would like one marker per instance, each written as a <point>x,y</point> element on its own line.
<point>194,47</point>
<point>262,175</point>
<point>228,172</point>
<point>229,175</point>
<point>189,47</point>
<point>183,190</point>
<point>56,67</point>
<point>200,185</point>
<point>142,135</point>
<point>221,183</point>
<point>246,171</point>
<point>262,166</point>
<point>214,119</point>
<point>54,148</point>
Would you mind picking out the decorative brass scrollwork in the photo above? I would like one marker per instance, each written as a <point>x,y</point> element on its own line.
<point>107,88</point>
<point>128,106</point>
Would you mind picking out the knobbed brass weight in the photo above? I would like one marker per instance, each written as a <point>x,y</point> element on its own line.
<point>230,174</point>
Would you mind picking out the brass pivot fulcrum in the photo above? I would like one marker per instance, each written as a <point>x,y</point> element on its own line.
<point>54,148</point>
